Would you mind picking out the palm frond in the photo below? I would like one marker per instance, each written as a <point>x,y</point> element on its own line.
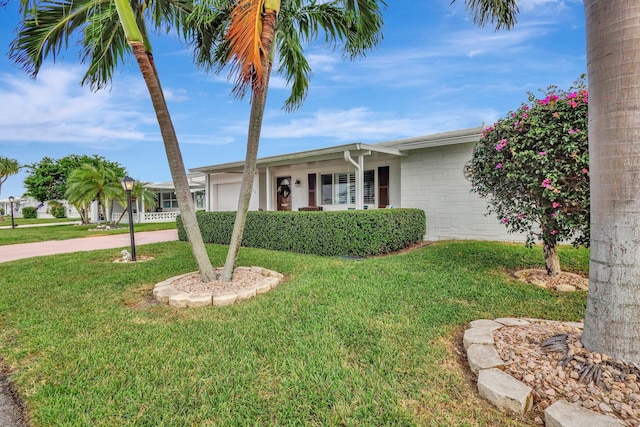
<point>46,28</point>
<point>246,50</point>
<point>208,25</point>
<point>295,68</point>
<point>365,25</point>
<point>501,13</point>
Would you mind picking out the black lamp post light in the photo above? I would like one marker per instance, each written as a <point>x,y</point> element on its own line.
<point>127,184</point>
<point>11,199</point>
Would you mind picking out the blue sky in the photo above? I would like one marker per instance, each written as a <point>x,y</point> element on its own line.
<point>433,72</point>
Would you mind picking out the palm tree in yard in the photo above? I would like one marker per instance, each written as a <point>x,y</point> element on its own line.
<point>109,29</point>
<point>91,182</point>
<point>246,34</point>
<point>8,167</point>
<point>612,321</point>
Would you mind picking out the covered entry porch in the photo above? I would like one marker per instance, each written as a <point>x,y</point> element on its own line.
<point>351,176</point>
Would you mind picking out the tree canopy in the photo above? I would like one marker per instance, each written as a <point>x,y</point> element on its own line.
<point>533,168</point>
<point>47,179</point>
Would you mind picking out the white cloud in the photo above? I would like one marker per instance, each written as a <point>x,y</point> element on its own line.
<point>365,125</point>
<point>54,108</point>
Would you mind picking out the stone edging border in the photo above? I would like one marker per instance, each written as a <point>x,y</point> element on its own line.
<point>167,294</point>
<point>511,395</point>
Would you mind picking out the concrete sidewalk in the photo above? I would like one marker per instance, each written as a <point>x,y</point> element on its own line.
<point>52,247</point>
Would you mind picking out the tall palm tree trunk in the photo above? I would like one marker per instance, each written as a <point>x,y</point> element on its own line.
<point>258,102</point>
<point>176,164</point>
<point>612,321</point>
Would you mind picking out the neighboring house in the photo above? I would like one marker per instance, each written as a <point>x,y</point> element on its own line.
<point>425,172</point>
<point>166,202</point>
<point>43,209</point>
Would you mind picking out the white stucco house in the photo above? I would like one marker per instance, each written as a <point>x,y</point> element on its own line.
<point>424,172</point>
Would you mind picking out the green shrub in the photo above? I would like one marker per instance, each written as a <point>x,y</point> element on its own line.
<point>1,211</point>
<point>351,233</point>
<point>57,209</point>
<point>29,212</point>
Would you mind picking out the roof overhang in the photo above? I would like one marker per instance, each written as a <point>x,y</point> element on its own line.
<point>319,155</point>
<point>463,136</point>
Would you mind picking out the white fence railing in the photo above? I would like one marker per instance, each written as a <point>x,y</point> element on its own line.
<point>167,216</point>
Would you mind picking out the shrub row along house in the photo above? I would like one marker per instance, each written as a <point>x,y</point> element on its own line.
<point>424,172</point>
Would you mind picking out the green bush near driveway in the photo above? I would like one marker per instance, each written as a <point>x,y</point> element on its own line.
<point>338,233</point>
<point>57,209</point>
<point>29,212</point>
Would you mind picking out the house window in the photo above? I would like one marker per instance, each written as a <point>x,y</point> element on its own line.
<point>169,201</point>
<point>369,187</point>
<point>327,189</point>
<point>338,189</point>
<point>199,199</point>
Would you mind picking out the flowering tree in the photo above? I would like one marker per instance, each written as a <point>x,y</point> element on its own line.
<point>532,167</point>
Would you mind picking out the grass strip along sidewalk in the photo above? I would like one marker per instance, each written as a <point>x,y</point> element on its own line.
<point>65,232</point>
<point>340,342</point>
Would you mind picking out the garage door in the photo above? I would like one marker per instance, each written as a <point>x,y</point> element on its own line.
<point>228,196</point>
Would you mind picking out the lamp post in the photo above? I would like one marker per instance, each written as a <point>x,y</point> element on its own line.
<point>127,185</point>
<point>11,199</point>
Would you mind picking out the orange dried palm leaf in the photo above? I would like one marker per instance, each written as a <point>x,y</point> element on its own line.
<point>246,50</point>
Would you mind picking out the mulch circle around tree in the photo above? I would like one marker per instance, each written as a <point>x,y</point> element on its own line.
<point>563,282</point>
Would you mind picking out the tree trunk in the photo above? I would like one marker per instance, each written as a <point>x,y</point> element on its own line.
<point>258,101</point>
<point>176,164</point>
<point>551,260</point>
<point>612,321</point>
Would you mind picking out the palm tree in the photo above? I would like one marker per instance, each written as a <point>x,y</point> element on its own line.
<point>91,182</point>
<point>612,321</point>
<point>245,35</point>
<point>8,167</point>
<point>110,29</point>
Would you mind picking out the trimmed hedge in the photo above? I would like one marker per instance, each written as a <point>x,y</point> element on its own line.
<point>29,212</point>
<point>334,233</point>
<point>57,209</point>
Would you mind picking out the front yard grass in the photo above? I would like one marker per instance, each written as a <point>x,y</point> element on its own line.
<point>62,232</point>
<point>340,342</point>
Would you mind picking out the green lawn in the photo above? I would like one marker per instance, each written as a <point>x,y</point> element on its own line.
<point>340,342</point>
<point>22,221</point>
<point>10,236</point>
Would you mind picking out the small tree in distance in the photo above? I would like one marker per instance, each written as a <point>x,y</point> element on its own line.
<point>532,167</point>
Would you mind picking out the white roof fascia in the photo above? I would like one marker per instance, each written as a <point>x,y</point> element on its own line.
<point>321,154</point>
<point>437,140</point>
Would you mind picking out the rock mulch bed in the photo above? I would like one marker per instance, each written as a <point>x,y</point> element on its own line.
<point>554,376</point>
<point>563,282</point>
<point>188,290</point>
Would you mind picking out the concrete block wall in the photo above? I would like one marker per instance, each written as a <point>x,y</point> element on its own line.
<point>433,180</point>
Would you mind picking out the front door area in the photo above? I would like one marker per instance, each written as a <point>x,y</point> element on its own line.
<point>283,192</point>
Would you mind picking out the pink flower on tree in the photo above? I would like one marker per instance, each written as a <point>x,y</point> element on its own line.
<point>499,166</point>
<point>542,153</point>
<point>555,205</point>
<point>505,220</point>
<point>585,171</point>
<point>546,183</point>
<point>501,145</point>
<point>556,114</point>
<point>521,216</point>
<point>554,232</point>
